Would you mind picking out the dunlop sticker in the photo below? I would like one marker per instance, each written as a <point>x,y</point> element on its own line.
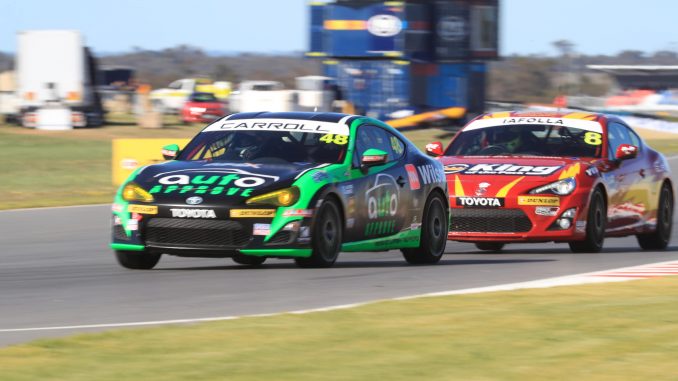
<point>252,213</point>
<point>143,209</point>
<point>538,200</point>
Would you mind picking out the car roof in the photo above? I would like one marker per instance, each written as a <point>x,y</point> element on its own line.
<point>578,119</point>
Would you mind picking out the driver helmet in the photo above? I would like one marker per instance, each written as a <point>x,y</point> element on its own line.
<point>511,140</point>
<point>248,144</point>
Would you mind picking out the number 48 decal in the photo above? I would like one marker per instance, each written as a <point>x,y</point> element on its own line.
<point>334,139</point>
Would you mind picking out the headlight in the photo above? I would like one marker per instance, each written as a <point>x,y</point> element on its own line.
<point>561,187</point>
<point>283,197</point>
<point>133,192</point>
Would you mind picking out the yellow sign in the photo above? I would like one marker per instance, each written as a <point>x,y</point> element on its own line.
<point>143,209</point>
<point>252,213</point>
<point>538,200</point>
<point>130,154</point>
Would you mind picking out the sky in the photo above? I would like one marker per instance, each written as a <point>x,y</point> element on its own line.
<point>526,26</point>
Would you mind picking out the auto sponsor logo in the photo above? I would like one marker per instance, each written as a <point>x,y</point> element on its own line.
<point>480,202</point>
<point>143,209</point>
<point>511,169</point>
<point>455,168</point>
<point>229,182</point>
<point>412,176</point>
<point>251,213</point>
<point>195,200</point>
<point>539,200</point>
<point>430,173</point>
<point>382,205</point>
<point>193,213</point>
<point>279,125</point>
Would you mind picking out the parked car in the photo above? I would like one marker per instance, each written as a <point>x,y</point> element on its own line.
<point>202,108</point>
<point>303,186</point>
<point>565,177</point>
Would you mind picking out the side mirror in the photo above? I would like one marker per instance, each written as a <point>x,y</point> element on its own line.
<point>434,149</point>
<point>170,151</point>
<point>373,157</point>
<point>626,151</point>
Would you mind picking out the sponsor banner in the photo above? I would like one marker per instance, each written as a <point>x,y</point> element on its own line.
<point>581,124</point>
<point>412,176</point>
<point>252,213</point>
<point>510,169</point>
<point>280,125</point>
<point>430,174</point>
<point>143,209</point>
<point>480,202</point>
<point>298,213</point>
<point>130,154</point>
<point>539,200</point>
<point>222,181</point>
<point>261,229</point>
<point>455,168</point>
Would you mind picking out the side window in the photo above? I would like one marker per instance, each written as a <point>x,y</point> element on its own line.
<point>616,135</point>
<point>376,137</point>
<point>620,134</point>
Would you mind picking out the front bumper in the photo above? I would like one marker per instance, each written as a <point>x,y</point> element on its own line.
<point>518,223</point>
<point>161,229</point>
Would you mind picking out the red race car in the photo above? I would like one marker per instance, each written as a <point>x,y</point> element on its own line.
<point>564,177</point>
<point>202,108</point>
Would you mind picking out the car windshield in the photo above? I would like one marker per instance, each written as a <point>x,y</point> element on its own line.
<point>203,97</point>
<point>281,147</point>
<point>533,140</point>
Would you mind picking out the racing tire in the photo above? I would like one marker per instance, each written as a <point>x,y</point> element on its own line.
<point>248,260</point>
<point>433,234</point>
<point>326,237</point>
<point>596,222</point>
<point>659,239</point>
<point>137,260</point>
<point>490,246</point>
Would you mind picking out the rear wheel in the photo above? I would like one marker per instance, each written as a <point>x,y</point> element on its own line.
<point>659,239</point>
<point>490,246</point>
<point>326,237</point>
<point>137,260</point>
<point>248,260</point>
<point>433,234</point>
<point>595,226</point>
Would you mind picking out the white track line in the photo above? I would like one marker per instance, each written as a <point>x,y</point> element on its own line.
<point>53,207</point>
<point>568,280</point>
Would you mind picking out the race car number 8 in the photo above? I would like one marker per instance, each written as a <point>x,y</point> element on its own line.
<point>593,138</point>
<point>336,139</point>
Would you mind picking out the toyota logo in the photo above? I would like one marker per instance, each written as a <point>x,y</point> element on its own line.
<point>194,200</point>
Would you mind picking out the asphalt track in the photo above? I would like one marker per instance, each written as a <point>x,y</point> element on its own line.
<point>56,270</point>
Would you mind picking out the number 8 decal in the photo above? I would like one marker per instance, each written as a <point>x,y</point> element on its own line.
<point>593,138</point>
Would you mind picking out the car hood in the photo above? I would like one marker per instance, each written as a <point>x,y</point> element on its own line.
<point>503,175</point>
<point>216,182</point>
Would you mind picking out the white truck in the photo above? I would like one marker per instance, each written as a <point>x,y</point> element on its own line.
<point>313,93</point>
<point>55,74</point>
<point>172,98</point>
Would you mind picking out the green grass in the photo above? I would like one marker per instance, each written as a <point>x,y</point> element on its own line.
<point>610,332</point>
<point>668,147</point>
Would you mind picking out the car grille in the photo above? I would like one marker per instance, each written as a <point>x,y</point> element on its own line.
<point>281,238</point>
<point>207,234</point>
<point>119,232</point>
<point>489,220</point>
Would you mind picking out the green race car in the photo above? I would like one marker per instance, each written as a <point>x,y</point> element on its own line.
<point>284,185</point>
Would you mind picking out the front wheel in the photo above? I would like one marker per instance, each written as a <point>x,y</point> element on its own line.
<point>490,246</point>
<point>326,237</point>
<point>433,234</point>
<point>595,226</point>
<point>659,239</point>
<point>137,260</point>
